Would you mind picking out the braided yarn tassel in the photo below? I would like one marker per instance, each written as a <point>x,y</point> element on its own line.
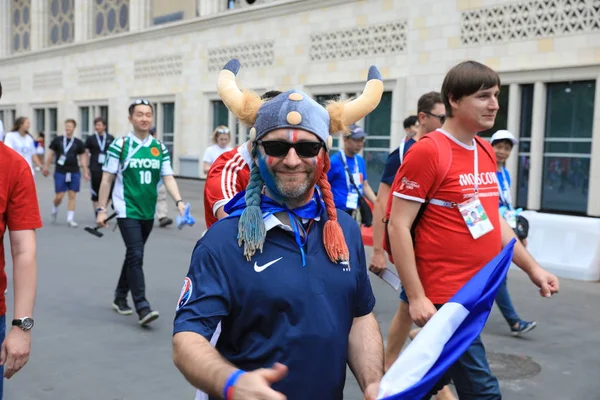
<point>333,236</point>
<point>251,226</point>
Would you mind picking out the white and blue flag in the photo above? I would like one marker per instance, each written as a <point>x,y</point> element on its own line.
<point>447,335</point>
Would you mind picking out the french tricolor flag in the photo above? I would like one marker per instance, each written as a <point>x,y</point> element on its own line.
<point>447,335</point>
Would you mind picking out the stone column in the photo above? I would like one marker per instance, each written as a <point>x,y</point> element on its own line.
<point>514,126</point>
<point>210,7</point>
<point>5,31</point>
<point>83,20</point>
<point>594,183</point>
<point>139,14</point>
<point>536,160</point>
<point>39,24</point>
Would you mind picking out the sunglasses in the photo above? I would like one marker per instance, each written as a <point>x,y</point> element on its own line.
<point>442,118</point>
<point>222,131</point>
<point>280,148</point>
<point>139,102</point>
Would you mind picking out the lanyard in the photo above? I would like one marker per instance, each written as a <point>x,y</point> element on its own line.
<point>101,144</point>
<point>475,169</point>
<point>130,153</point>
<point>65,146</point>
<point>347,170</point>
<point>506,199</point>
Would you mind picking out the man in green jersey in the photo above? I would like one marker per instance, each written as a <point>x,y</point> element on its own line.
<point>138,162</point>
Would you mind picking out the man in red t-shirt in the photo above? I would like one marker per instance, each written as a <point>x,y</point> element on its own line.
<point>449,245</point>
<point>19,211</point>
<point>228,175</point>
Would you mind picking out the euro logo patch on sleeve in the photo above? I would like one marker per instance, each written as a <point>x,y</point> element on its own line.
<point>186,293</point>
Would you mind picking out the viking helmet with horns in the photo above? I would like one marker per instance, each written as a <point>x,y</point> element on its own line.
<point>295,110</point>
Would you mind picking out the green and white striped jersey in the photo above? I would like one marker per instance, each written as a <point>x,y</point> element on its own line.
<point>139,167</point>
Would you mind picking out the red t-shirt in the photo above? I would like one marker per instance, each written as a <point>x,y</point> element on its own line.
<point>446,254</point>
<point>19,208</point>
<point>228,176</point>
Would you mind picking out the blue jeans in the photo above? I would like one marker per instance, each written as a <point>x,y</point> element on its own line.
<point>471,375</point>
<point>135,232</point>
<point>2,336</point>
<point>505,305</point>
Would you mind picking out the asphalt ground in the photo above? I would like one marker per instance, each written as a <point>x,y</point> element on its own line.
<point>82,349</point>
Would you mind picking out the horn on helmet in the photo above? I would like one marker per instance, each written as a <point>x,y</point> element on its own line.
<point>228,89</point>
<point>367,101</point>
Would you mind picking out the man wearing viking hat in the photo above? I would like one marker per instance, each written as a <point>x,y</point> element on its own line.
<point>280,287</point>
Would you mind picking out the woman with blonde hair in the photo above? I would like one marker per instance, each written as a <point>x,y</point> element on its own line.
<point>221,138</point>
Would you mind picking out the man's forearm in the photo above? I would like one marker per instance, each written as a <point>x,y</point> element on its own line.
<point>104,191</point>
<point>365,350</point>
<point>85,162</point>
<point>378,215</point>
<point>23,249</point>
<point>172,188</point>
<point>404,260</point>
<point>369,192</point>
<point>521,256</point>
<point>49,158</point>
<point>201,363</point>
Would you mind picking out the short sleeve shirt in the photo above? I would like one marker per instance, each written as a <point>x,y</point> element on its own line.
<point>213,152</point>
<point>24,145</point>
<point>446,254</point>
<point>97,145</point>
<point>19,209</point>
<point>339,180</point>
<point>273,309</point>
<point>139,167</point>
<point>392,164</point>
<point>227,176</point>
<point>71,164</point>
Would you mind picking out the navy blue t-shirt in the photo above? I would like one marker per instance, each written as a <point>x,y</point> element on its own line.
<point>392,164</point>
<point>272,309</point>
<point>339,181</point>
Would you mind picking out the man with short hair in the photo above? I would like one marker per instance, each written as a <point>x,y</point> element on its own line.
<point>348,173</point>
<point>411,124</point>
<point>228,175</point>
<point>20,213</point>
<point>445,176</point>
<point>70,152</point>
<point>137,162</point>
<point>280,287</point>
<point>97,145</point>
<point>431,114</point>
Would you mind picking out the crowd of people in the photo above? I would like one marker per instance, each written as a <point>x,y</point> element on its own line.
<point>277,300</point>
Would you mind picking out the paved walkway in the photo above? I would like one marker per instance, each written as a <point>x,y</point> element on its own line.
<point>83,350</point>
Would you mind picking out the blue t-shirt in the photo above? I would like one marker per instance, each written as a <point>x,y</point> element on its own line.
<point>272,309</point>
<point>504,184</point>
<point>338,178</point>
<point>392,164</point>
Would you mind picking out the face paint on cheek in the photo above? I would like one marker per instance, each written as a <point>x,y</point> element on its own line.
<point>270,160</point>
<point>267,174</point>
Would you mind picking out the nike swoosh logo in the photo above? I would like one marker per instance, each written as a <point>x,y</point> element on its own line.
<point>267,265</point>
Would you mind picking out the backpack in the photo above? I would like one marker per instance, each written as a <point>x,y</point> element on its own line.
<point>443,167</point>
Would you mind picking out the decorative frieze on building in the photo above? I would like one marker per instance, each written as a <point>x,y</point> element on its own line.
<point>97,74</point>
<point>251,55</point>
<point>531,19</point>
<point>11,84</point>
<point>158,66</point>
<point>375,40</point>
<point>48,80</point>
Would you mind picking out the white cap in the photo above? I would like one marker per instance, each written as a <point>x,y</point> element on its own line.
<point>503,134</point>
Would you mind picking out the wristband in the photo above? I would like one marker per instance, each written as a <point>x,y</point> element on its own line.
<point>231,381</point>
<point>177,202</point>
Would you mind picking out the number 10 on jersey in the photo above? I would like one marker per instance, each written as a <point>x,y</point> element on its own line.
<point>145,177</point>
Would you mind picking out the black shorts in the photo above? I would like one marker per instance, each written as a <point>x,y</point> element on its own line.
<point>96,179</point>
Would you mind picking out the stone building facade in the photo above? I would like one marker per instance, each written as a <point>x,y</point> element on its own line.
<point>80,59</point>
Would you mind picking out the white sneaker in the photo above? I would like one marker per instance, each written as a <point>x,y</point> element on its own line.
<point>72,224</point>
<point>53,216</point>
